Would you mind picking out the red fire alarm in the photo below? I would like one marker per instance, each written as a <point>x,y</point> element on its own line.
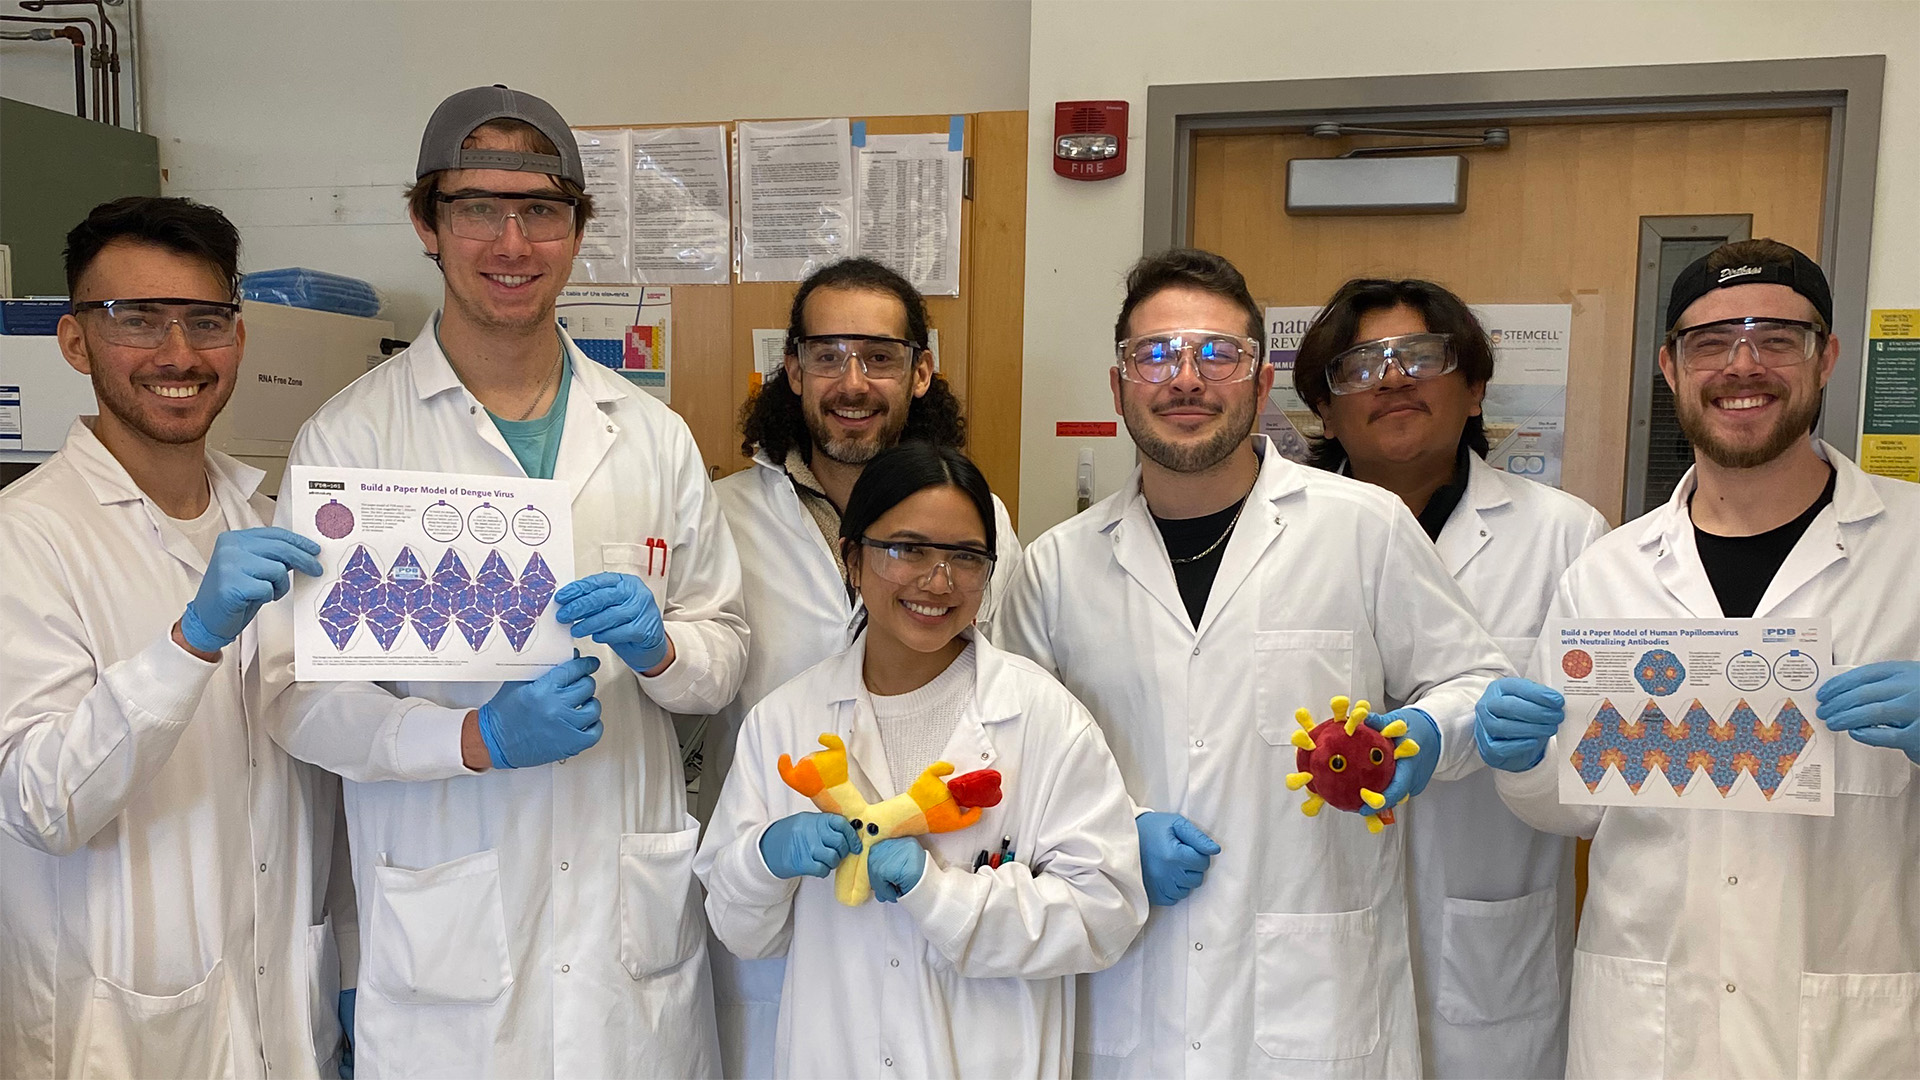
<point>1090,139</point>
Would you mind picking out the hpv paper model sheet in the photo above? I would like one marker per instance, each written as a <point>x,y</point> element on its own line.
<point>1711,715</point>
<point>430,577</point>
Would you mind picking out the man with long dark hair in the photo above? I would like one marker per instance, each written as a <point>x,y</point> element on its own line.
<point>1397,370</point>
<point>858,378</point>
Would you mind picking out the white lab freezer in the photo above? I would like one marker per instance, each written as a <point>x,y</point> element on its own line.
<point>295,360</point>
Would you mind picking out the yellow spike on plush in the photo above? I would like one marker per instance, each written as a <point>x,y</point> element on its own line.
<point>1340,707</point>
<point>1303,740</point>
<point>1312,805</point>
<point>1296,781</point>
<point>1395,729</point>
<point>1372,798</point>
<point>1357,717</point>
<point>1374,825</point>
<point>1305,718</point>
<point>1407,748</point>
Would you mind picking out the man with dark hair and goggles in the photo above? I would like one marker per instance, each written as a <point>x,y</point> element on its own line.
<point>826,356</point>
<point>1364,366</point>
<point>1155,358</point>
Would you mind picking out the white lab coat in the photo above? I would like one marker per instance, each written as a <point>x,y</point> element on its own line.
<point>1493,898</point>
<point>163,865</point>
<point>539,921</point>
<point>1292,957</point>
<point>798,607</point>
<point>970,973</point>
<point>1717,943</point>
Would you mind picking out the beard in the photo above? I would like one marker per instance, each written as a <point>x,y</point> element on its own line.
<point>1795,421</point>
<point>859,449</point>
<point>122,400</point>
<point>1197,457</point>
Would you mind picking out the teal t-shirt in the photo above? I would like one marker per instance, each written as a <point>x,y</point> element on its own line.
<point>536,442</point>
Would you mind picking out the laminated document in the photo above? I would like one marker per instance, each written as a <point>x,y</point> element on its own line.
<point>796,197</point>
<point>682,217</point>
<point>603,243</point>
<point>909,207</point>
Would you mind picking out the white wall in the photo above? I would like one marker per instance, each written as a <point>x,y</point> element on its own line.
<point>1082,236</point>
<point>302,118</point>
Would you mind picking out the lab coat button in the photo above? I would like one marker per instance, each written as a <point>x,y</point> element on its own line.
<point>893,963</point>
<point>1198,947</point>
<point>984,755</point>
<point>1196,650</point>
<point>263,969</point>
<point>1199,743</point>
<point>563,866</point>
<point>263,868</point>
<point>566,968</point>
<point>1729,988</point>
<point>1731,880</point>
<point>1196,1046</point>
<point>889,1063</point>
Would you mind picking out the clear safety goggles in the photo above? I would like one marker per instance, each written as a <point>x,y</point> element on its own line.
<point>1775,343</point>
<point>905,562</point>
<point>827,355</point>
<point>144,323</point>
<point>1364,367</point>
<point>483,215</point>
<point>1216,357</point>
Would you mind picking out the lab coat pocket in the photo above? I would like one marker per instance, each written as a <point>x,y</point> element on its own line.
<point>1295,668</point>
<point>1497,959</point>
<point>1860,1025</point>
<point>439,935</point>
<point>1109,1015</point>
<point>1316,985</point>
<point>323,990</point>
<point>660,923</point>
<point>1618,1026</point>
<point>186,1034</point>
<point>648,562</point>
<point>1859,769</point>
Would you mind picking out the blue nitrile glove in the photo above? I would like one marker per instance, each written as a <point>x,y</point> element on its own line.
<point>807,844</point>
<point>1878,704</point>
<point>549,719</point>
<point>249,567</point>
<point>894,867</point>
<point>616,610</point>
<point>1174,854</point>
<point>1410,774</point>
<point>346,1035</point>
<point>1514,720</point>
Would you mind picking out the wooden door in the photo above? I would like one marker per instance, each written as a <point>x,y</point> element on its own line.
<point>1555,218</point>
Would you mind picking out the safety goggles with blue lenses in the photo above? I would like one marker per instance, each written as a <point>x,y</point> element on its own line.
<point>1217,357</point>
<point>1364,367</point>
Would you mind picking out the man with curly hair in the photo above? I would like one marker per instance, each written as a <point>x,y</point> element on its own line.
<point>858,378</point>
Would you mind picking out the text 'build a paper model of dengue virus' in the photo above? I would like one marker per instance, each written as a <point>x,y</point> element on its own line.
<point>1345,763</point>
<point>405,595</point>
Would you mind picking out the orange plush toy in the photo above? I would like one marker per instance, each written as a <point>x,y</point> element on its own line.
<point>930,805</point>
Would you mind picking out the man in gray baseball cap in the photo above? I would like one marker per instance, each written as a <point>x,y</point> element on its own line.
<point>527,898</point>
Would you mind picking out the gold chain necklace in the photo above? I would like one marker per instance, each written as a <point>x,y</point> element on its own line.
<point>1223,537</point>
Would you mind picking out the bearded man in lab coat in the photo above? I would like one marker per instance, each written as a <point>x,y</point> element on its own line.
<point>526,888</point>
<point>164,866</point>
<point>1396,371</point>
<point>1193,611</point>
<point>1719,943</point>
<point>858,378</point>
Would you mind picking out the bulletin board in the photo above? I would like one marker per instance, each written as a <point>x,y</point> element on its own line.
<point>980,329</point>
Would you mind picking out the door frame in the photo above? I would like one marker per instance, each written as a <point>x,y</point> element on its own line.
<point>1846,88</point>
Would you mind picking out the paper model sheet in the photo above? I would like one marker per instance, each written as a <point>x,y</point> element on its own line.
<point>1711,715</point>
<point>430,577</point>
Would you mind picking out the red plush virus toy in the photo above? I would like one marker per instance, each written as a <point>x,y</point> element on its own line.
<point>1344,762</point>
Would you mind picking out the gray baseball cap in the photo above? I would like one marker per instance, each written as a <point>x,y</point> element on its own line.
<point>457,116</point>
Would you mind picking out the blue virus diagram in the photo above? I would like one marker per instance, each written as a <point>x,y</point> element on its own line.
<point>1659,672</point>
<point>1694,743</point>
<point>406,595</point>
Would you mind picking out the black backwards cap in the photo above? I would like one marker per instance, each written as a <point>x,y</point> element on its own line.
<point>1802,275</point>
<point>459,115</point>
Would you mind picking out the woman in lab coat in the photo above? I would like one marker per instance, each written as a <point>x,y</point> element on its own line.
<point>959,969</point>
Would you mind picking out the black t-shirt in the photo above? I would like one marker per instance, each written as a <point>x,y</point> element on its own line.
<point>1440,504</point>
<point>1188,537</point>
<point>1741,567</point>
